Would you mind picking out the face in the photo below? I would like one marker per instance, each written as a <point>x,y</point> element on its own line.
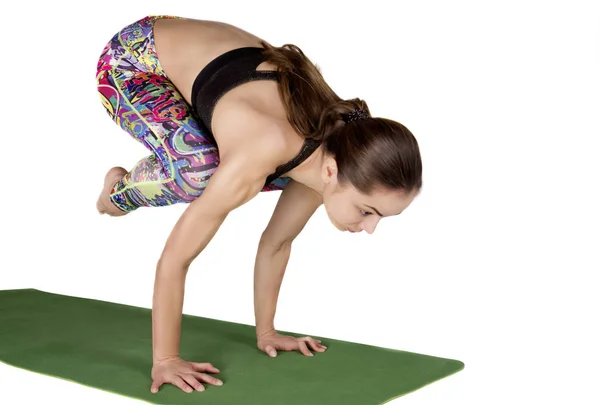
<point>349,210</point>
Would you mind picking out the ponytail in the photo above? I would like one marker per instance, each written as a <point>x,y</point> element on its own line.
<point>308,99</point>
<point>313,108</point>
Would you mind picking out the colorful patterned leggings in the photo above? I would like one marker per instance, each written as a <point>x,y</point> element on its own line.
<point>141,99</point>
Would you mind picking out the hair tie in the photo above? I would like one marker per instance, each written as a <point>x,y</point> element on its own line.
<point>355,115</point>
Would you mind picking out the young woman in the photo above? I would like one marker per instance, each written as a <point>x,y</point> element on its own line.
<point>225,116</point>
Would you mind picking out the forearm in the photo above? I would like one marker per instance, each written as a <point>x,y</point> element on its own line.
<point>167,307</point>
<point>269,270</point>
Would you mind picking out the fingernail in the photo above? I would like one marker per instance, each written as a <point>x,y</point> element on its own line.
<point>219,382</point>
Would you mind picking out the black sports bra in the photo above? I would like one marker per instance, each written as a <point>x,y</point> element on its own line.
<point>224,73</point>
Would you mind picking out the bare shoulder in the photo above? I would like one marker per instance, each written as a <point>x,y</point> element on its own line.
<point>255,138</point>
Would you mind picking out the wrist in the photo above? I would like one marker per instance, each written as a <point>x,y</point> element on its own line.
<point>161,359</point>
<point>264,331</point>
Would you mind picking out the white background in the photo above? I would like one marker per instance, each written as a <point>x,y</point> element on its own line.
<point>494,264</point>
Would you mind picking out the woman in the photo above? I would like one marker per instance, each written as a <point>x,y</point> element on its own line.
<point>226,116</point>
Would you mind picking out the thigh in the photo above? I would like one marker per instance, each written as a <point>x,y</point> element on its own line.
<point>151,109</point>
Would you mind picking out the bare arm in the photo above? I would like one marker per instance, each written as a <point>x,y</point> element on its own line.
<point>296,205</point>
<point>232,185</point>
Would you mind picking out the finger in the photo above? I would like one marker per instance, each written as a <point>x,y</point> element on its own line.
<point>321,346</point>
<point>304,349</point>
<point>313,343</point>
<point>192,382</point>
<point>205,367</point>
<point>270,350</point>
<point>315,346</point>
<point>178,382</point>
<point>207,378</point>
<point>155,385</point>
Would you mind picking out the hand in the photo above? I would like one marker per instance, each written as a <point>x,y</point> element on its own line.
<point>183,374</point>
<point>272,341</point>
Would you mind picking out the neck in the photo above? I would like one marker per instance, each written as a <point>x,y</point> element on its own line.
<point>309,171</point>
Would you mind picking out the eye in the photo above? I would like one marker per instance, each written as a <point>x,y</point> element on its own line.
<point>365,213</point>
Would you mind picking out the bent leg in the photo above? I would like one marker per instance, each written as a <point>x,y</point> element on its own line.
<point>183,158</point>
<point>141,99</point>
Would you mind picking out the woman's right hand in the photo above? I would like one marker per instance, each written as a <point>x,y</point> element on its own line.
<point>183,374</point>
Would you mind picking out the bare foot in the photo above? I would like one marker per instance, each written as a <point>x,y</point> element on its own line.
<point>104,204</point>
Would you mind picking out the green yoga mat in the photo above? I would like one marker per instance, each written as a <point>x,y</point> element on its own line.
<point>109,346</point>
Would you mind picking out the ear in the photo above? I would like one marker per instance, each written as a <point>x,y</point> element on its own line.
<point>329,171</point>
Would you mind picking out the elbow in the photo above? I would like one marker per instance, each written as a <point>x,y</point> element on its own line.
<point>268,243</point>
<point>169,263</point>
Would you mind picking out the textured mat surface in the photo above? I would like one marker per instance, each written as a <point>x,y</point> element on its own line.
<point>109,346</point>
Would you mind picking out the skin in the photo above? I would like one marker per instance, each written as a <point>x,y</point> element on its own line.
<point>254,137</point>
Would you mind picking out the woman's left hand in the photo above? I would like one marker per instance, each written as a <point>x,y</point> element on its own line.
<point>272,341</point>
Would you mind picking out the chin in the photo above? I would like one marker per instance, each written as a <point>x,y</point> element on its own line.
<point>334,222</point>
<point>337,225</point>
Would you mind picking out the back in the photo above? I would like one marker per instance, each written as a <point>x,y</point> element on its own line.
<point>186,46</point>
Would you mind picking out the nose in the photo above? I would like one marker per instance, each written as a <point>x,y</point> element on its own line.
<point>370,224</point>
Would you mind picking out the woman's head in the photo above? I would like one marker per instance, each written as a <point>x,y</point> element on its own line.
<point>372,166</point>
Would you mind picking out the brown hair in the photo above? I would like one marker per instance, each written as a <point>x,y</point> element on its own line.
<point>369,152</point>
